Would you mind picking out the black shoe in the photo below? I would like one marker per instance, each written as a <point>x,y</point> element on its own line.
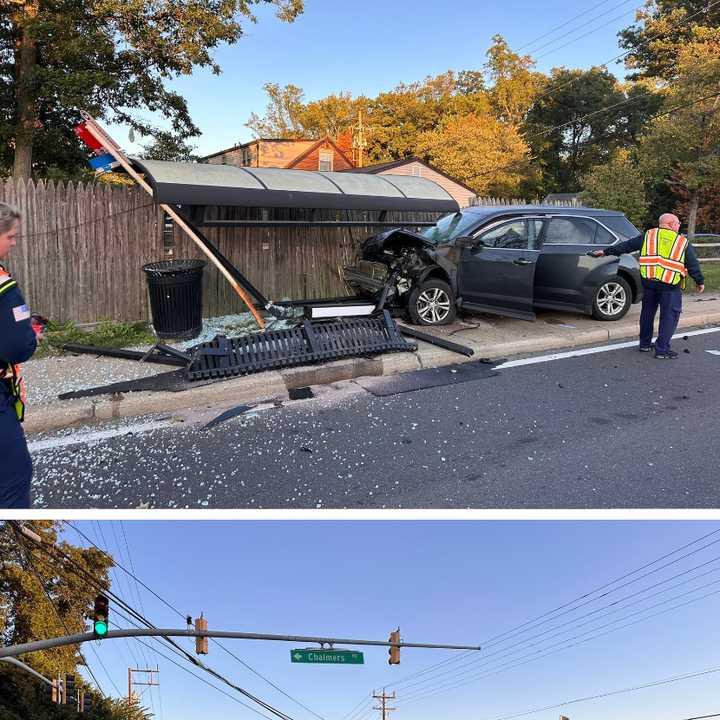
<point>645,348</point>
<point>669,355</point>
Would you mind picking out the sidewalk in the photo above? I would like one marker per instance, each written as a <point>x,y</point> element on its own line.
<point>490,337</point>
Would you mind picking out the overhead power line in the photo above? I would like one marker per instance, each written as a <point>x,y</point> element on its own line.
<point>566,23</point>
<point>477,671</point>
<point>54,551</point>
<point>619,57</point>
<point>216,642</point>
<point>580,601</point>
<point>656,683</point>
<point>539,654</point>
<point>34,570</point>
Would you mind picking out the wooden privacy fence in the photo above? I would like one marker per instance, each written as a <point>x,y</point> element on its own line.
<point>82,247</point>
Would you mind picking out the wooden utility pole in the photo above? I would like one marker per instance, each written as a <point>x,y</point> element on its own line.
<point>359,143</point>
<point>383,708</point>
<point>152,680</point>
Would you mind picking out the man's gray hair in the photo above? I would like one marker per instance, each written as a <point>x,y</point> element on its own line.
<point>8,216</point>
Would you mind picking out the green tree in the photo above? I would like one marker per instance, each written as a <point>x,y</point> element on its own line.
<point>514,83</point>
<point>166,146</point>
<point>29,579</point>
<point>682,147</point>
<point>111,57</point>
<point>591,120</point>
<point>661,28</point>
<point>485,153</point>
<point>283,113</point>
<point>617,185</point>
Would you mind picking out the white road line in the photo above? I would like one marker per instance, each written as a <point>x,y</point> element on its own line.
<point>592,350</point>
<point>713,352</point>
<point>82,438</point>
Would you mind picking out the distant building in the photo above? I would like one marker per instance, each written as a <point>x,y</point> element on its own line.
<point>419,168</point>
<point>322,154</point>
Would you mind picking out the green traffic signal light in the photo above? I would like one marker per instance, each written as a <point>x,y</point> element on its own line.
<point>100,616</point>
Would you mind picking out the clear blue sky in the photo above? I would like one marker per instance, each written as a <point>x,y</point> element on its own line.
<point>452,582</point>
<point>370,46</point>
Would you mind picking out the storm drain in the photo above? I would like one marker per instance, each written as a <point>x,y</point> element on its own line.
<point>307,343</point>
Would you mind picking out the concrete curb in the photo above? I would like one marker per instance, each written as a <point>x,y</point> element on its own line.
<point>275,385</point>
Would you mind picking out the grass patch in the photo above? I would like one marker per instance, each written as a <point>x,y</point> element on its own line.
<point>105,334</point>
<point>711,271</point>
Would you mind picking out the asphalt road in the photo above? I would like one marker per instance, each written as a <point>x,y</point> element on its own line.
<point>616,429</point>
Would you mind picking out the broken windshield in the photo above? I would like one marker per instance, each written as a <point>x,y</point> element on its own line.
<point>450,227</point>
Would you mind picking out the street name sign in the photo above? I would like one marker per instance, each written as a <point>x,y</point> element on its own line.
<point>335,657</point>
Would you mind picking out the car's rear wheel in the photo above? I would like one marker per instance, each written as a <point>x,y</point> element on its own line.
<point>432,303</point>
<point>612,299</point>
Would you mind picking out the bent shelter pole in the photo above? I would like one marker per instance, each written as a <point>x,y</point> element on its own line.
<point>111,146</point>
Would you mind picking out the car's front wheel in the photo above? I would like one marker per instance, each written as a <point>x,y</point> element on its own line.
<point>612,299</point>
<point>432,303</point>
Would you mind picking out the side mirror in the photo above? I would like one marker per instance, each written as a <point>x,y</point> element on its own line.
<point>465,241</point>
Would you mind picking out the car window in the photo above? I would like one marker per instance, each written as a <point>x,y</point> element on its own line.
<point>450,227</point>
<point>603,236</point>
<point>620,224</point>
<point>509,235</point>
<point>570,231</point>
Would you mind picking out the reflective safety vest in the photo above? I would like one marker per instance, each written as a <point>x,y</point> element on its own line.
<point>663,256</point>
<point>10,374</point>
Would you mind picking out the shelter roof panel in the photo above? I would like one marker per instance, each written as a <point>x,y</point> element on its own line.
<point>231,186</point>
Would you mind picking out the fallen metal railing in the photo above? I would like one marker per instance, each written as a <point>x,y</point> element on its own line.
<point>306,343</point>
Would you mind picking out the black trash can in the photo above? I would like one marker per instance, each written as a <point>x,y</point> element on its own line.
<point>175,288</point>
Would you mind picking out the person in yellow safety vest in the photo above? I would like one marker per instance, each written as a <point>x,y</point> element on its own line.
<point>666,259</point>
<point>18,341</point>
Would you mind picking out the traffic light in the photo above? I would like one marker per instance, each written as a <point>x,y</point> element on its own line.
<point>87,703</point>
<point>100,616</point>
<point>394,650</point>
<point>201,643</point>
<point>69,689</point>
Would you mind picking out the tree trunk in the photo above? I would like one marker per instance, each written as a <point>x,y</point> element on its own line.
<point>692,213</point>
<point>26,110</point>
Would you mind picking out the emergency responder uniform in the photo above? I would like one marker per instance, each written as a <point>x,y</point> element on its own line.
<point>666,259</point>
<point>17,344</point>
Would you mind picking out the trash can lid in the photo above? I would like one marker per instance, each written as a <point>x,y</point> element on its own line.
<point>173,267</point>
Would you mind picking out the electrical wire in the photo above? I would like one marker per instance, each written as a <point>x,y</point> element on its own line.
<point>140,602</point>
<point>28,558</point>
<point>624,54</point>
<point>214,640</point>
<point>566,23</point>
<point>656,683</point>
<point>201,678</point>
<point>54,551</point>
<point>577,602</point>
<point>550,651</point>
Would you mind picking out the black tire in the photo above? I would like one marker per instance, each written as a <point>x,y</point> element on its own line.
<point>432,303</point>
<point>612,299</point>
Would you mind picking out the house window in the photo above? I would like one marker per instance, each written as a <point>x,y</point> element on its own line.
<point>326,160</point>
<point>416,171</point>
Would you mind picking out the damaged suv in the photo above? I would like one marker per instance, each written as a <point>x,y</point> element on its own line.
<point>501,260</point>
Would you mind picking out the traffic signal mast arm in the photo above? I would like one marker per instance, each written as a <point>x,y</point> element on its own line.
<point>26,668</point>
<point>14,650</point>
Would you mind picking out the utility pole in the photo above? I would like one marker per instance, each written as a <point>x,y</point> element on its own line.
<point>359,143</point>
<point>383,708</point>
<point>152,680</point>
